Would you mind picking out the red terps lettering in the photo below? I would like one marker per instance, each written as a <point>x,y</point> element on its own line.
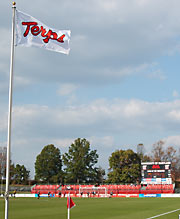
<point>29,24</point>
<point>46,35</point>
<point>50,35</point>
<point>35,30</point>
<point>61,39</point>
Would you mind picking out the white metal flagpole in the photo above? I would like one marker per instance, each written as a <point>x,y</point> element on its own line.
<point>69,206</point>
<point>10,114</point>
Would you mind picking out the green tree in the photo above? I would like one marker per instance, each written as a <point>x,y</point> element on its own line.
<point>167,154</point>
<point>158,152</point>
<point>99,175</point>
<point>172,156</point>
<point>125,167</point>
<point>48,165</point>
<point>141,153</point>
<point>12,171</point>
<point>145,158</point>
<point>79,162</point>
<point>20,174</point>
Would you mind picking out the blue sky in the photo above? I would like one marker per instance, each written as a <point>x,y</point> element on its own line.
<point>118,87</point>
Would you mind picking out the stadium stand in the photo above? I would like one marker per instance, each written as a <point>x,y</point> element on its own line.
<point>102,189</point>
<point>157,189</point>
<point>45,189</point>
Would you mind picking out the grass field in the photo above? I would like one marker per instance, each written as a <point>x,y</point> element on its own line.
<point>94,208</point>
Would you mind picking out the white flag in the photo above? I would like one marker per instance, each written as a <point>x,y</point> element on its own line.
<point>31,32</point>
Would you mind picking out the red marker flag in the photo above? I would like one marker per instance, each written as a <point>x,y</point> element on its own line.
<point>70,203</point>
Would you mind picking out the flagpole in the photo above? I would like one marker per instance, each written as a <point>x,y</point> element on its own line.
<point>69,206</point>
<point>10,114</point>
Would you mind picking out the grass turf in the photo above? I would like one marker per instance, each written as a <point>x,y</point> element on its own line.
<point>94,208</point>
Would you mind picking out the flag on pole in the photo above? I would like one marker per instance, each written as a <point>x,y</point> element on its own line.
<point>70,203</point>
<point>31,32</point>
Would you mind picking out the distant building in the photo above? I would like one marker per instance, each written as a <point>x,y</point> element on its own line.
<point>140,149</point>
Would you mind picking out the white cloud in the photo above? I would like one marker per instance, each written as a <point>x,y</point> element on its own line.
<point>63,142</point>
<point>134,109</point>
<point>105,141</point>
<point>172,140</point>
<point>20,81</point>
<point>157,74</point>
<point>175,94</point>
<point>92,118</point>
<point>3,123</point>
<point>5,41</point>
<point>108,6</point>
<point>175,115</point>
<point>67,89</point>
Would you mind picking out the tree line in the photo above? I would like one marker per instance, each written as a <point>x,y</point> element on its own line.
<point>79,165</point>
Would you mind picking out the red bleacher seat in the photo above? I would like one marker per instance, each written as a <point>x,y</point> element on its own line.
<point>115,189</point>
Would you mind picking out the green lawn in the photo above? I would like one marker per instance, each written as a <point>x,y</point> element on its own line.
<point>94,208</point>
